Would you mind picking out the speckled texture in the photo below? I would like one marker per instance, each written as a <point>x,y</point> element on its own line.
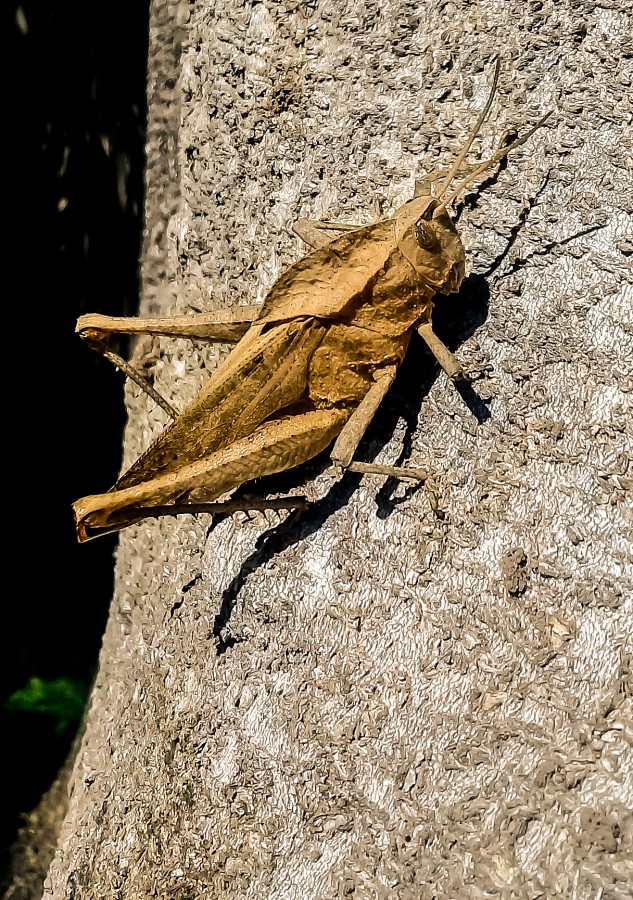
<point>399,693</point>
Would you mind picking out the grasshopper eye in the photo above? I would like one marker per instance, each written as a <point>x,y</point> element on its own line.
<point>426,237</point>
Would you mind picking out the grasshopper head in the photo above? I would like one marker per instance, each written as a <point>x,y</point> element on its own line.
<point>431,244</point>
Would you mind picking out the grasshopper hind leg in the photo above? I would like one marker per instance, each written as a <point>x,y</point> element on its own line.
<point>274,446</point>
<point>221,326</point>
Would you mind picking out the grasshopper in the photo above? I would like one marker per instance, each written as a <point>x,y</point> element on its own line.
<point>310,366</point>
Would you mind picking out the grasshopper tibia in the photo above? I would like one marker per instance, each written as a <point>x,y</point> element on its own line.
<point>141,513</point>
<point>442,354</point>
<point>134,375</point>
<point>222,326</point>
<point>320,234</point>
<point>352,432</point>
<point>403,473</point>
<point>356,426</point>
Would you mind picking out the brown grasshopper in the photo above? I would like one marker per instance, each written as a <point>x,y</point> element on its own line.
<point>311,364</point>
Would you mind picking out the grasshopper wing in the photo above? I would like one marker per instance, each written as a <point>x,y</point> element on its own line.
<point>266,372</point>
<point>328,282</point>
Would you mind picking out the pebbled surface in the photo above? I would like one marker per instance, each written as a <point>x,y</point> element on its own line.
<point>399,692</point>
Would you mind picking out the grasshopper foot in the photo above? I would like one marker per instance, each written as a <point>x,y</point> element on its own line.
<point>404,473</point>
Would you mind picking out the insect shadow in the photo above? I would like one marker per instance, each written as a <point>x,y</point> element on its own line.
<point>455,320</point>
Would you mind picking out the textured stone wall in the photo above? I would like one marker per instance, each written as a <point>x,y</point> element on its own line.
<point>400,692</point>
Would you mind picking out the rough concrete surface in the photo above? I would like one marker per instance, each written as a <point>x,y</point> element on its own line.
<point>400,692</point>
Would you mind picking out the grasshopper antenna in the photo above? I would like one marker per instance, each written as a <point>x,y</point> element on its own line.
<point>462,155</point>
<point>503,151</point>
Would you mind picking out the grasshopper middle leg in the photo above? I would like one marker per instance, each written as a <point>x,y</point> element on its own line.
<point>352,433</point>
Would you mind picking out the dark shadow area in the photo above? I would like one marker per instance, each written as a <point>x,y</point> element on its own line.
<point>469,201</point>
<point>456,318</point>
<point>517,228</point>
<point>547,249</point>
<point>74,157</point>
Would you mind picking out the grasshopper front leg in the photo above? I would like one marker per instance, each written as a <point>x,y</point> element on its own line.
<point>318,234</point>
<point>447,360</point>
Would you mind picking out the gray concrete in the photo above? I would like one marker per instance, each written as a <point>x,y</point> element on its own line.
<point>422,693</point>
